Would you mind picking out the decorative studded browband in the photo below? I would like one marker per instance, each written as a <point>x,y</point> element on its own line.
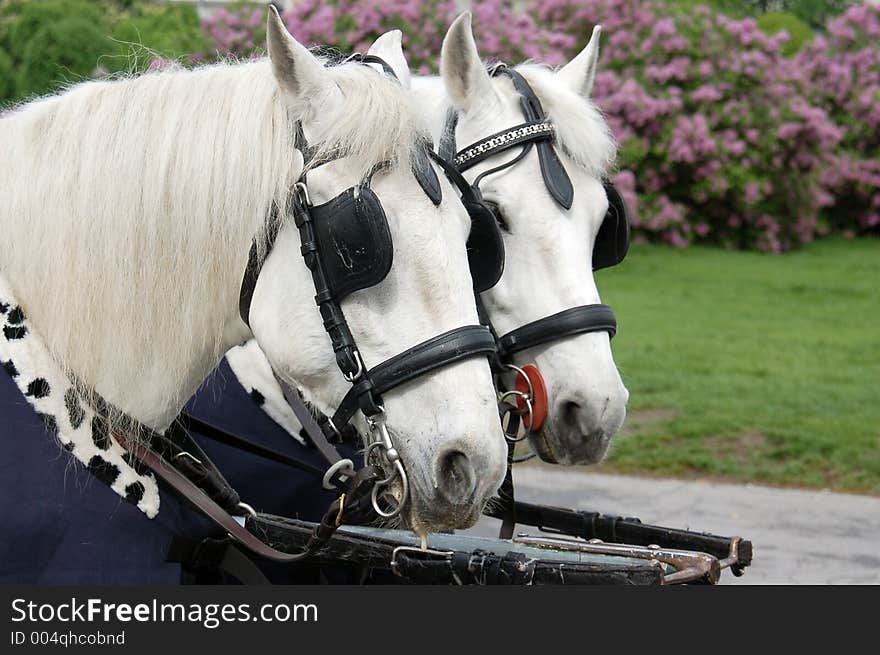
<point>501,141</point>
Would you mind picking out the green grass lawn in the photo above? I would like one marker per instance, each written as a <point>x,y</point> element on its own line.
<point>750,367</point>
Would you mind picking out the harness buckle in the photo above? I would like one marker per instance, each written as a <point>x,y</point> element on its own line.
<point>356,356</point>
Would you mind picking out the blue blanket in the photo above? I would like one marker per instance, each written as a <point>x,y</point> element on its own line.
<point>61,525</point>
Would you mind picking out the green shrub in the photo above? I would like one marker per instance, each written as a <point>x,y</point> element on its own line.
<point>58,52</point>
<point>799,32</point>
<point>168,31</point>
<point>31,17</point>
<point>48,42</point>
<point>7,79</point>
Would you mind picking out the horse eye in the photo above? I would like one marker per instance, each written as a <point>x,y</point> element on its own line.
<point>499,217</point>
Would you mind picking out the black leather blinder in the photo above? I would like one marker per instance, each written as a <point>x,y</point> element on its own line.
<point>485,245</point>
<point>353,241</point>
<point>612,241</point>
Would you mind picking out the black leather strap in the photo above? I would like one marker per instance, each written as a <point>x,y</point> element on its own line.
<point>220,435</point>
<point>577,320</point>
<point>425,174</point>
<point>374,59</point>
<point>469,194</point>
<point>555,177</point>
<point>437,352</point>
<point>208,556</point>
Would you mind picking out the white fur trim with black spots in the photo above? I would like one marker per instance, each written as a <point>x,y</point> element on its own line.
<point>67,416</point>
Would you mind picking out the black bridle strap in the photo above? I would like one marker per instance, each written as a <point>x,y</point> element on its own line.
<point>437,352</point>
<point>373,59</point>
<point>555,177</point>
<point>569,322</point>
<point>469,194</point>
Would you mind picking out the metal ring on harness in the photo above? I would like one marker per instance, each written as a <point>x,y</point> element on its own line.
<point>514,392</point>
<point>404,486</point>
<point>387,452</point>
<point>513,367</point>
<point>248,509</point>
<point>374,446</point>
<point>341,465</point>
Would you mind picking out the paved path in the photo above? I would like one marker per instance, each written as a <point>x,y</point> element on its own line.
<point>800,537</point>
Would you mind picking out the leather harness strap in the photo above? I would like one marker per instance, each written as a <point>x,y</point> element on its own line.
<point>222,436</point>
<point>569,322</point>
<point>349,501</point>
<point>438,352</point>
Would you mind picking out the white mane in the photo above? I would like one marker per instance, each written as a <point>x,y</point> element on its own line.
<point>128,208</point>
<point>581,129</point>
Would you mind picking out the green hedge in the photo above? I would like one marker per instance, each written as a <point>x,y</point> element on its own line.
<point>7,76</point>
<point>167,31</point>
<point>47,43</point>
<point>59,53</point>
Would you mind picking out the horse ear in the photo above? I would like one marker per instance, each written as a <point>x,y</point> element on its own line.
<point>463,73</point>
<point>298,73</point>
<point>389,47</point>
<point>580,72</point>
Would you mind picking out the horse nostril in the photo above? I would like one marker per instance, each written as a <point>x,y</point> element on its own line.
<point>570,411</point>
<point>458,481</point>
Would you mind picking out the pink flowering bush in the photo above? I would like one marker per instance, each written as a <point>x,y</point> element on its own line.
<point>353,26</point>
<point>721,141</point>
<point>842,72</point>
<point>235,32</point>
<point>724,139</point>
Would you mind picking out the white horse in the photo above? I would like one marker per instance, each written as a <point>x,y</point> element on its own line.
<point>128,210</point>
<point>548,249</point>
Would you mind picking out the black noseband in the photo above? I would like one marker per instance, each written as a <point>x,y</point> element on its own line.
<point>567,323</point>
